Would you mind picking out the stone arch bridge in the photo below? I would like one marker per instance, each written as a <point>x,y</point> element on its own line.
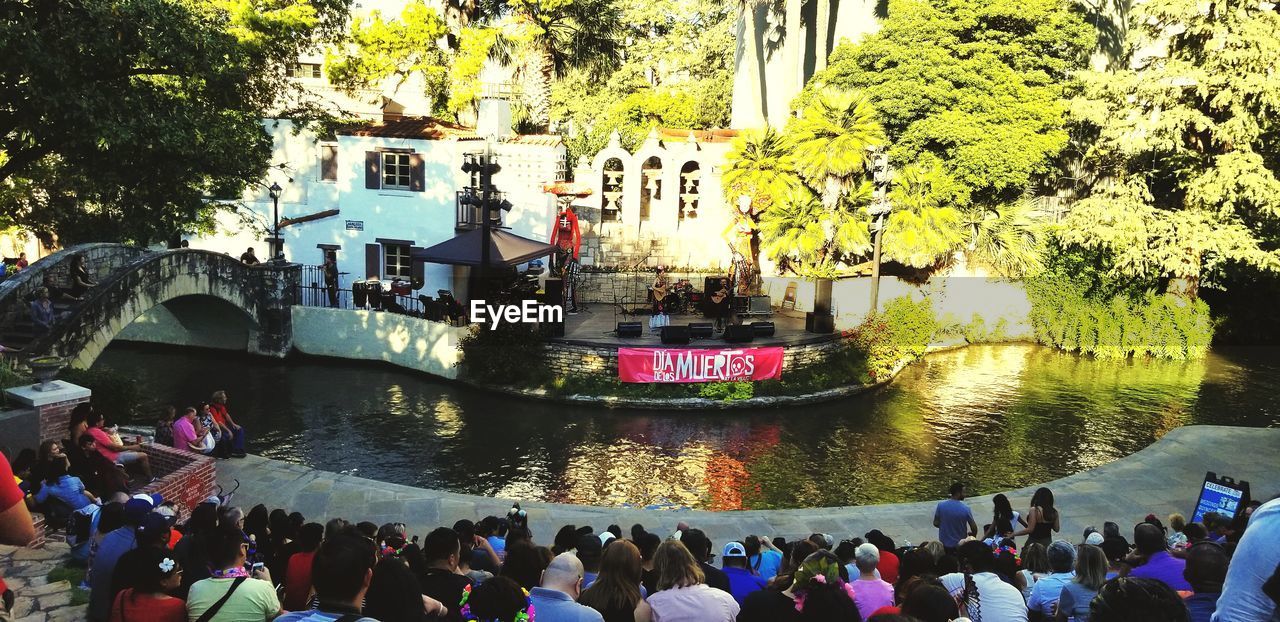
<point>205,292</point>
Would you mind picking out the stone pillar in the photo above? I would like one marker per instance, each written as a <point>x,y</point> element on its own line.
<point>277,287</point>
<point>53,407</point>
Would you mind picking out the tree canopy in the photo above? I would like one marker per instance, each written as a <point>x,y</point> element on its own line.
<point>1182,156</point>
<point>978,87</point>
<point>119,119</point>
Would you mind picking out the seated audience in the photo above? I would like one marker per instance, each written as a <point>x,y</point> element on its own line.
<point>1091,573</point>
<point>159,574</point>
<point>556,598</point>
<point>1126,599</point>
<point>1206,570</point>
<point>1044,596</point>
<point>869,592</point>
<point>1253,579</point>
<point>498,600</point>
<point>741,580</point>
<point>682,595</point>
<point>341,573</point>
<point>979,590</point>
<point>1151,558</point>
<point>617,593</point>
<point>123,455</point>
<point>232,591</point>
<point>441,581</point>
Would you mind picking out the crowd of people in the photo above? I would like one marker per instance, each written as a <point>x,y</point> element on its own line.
<point>223,564</point>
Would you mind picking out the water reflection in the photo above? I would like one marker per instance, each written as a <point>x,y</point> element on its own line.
<point>995,416</point>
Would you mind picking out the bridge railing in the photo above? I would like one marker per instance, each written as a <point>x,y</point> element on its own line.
<point>312,292</point>
<point>102,260</point>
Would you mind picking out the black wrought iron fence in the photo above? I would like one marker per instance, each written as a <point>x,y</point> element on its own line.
<point>314,291</point>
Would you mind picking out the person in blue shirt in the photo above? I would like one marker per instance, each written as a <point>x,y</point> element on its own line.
<point>952,517</point>
<point>555,600</point>
<point>741,581</point>
<point>762,557</point>
<point>65,488</point>
<point>1047,591</point>
<point>1206,570</point>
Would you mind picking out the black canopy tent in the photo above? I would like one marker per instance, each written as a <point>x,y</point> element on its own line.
<point>506,249</point>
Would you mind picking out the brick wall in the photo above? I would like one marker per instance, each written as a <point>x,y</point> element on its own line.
<point>185,478</point>
<point>54,418</point>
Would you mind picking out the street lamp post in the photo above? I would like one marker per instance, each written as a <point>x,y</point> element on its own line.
<point>879,210</point>
<point>276,243</point>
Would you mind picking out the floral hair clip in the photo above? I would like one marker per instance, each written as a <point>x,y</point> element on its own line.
<point>167,565</point>
<point>525,615</point>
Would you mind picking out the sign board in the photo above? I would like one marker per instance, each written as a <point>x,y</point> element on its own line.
<point>355,225</point>
<point>684,365</point>
<point>1222,495</point>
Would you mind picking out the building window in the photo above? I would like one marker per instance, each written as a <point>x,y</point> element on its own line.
<point>304,70</point>
<point>328,163</point>
<point>396,259</point>
<point>395,171</point>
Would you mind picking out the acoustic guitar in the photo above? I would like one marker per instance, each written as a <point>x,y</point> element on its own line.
<point>719,296</point>
<point>660,289</point>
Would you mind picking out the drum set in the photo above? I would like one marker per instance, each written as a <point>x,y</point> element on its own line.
<point>682,298</point>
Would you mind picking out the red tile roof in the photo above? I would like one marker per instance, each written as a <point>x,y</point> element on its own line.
<point>670,135</point>
<point>537,140</point>
<point>427,128</point>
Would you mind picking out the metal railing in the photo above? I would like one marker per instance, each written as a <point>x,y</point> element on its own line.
<point>314,292</point>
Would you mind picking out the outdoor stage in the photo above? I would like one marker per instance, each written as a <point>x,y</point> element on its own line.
<point>595,327</point>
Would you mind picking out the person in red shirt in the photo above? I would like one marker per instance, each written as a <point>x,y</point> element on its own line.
<point>16,528</point>
<point>159,574</point>
<point>888,566</point>
<point>122,455</point>
<point>222,418</point>
<point>297,576</point>
<point>567,239</point>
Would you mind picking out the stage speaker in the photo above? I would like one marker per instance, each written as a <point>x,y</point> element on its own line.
<point>822,297</point>
<point>738,333</point>
<point>629,330</point>
<point>553,292</point>
<point>762,329</point>
<point>674,334</point>
<point>711,285</point>
<point>701,330</point>
<point>821,323</point>
<point>760,306</point>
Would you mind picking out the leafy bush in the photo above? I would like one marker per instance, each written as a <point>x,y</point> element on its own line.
<point>117,396</point>
<point>727,391</point>
<point>902,331</point>
<point>513,354</point>
<point>976,330</point>
<point>1065,315</point>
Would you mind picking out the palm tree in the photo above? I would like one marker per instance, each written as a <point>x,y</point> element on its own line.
<point>761,169</point>
<point>831,137</point>
<point>1005,238</point>
<point>803,236</point>
<point>795,40</point>
<point>922,231</point>
<point>549,37</point>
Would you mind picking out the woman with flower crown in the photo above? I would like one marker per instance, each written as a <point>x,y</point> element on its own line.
<point>149,601</point>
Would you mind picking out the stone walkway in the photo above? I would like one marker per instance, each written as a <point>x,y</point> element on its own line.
<point>26,571</point>
<point>1162,478</point>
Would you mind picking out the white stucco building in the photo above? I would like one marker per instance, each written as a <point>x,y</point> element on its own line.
<point>662,205</point>
<point>373,192</point>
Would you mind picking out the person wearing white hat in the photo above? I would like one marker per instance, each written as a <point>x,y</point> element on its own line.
<point>741,581</point>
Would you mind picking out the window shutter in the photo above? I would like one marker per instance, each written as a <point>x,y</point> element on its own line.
<point>417,173</point>
<point>373,261</point>
<point>329,162</point>
<point>372,170</point>
<point>418,276</point>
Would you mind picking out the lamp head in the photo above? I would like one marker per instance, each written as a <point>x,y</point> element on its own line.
<point>274,190</point>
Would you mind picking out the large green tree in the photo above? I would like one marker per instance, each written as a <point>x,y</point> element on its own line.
<point>119,119</point>
<point>977,87</point>
<point>1183,160</point>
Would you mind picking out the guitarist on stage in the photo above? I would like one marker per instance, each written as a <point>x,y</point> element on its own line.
<point>663,299</point>
<point>720,305</point>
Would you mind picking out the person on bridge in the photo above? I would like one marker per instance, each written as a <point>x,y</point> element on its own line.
<point>79,275</point>
<point>249,258</point>
<point>232,435</point>
<point>42,315</point>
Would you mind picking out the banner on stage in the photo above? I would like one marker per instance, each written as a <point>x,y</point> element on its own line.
<point>683,365</point>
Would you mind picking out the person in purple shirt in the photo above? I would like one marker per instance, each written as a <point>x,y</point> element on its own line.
<point>741,580</point>
<point>1206,571</point>
<point>1156,562</point>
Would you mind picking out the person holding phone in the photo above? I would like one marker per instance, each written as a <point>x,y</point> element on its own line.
<point>233,591</point>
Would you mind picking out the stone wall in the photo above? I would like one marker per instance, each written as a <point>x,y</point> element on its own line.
<point>405,341</point>
<point>53,407</point>
<point>191,321</point>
